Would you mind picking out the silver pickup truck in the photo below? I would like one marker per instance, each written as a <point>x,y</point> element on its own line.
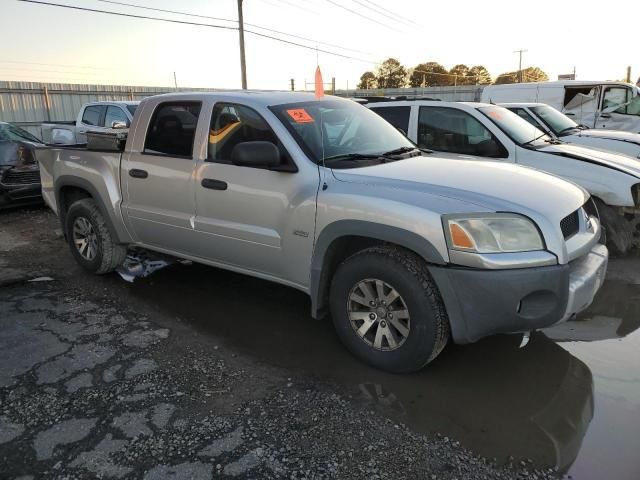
<point>406,249</point>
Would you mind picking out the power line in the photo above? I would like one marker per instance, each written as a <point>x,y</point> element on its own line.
<point>379,12</point>
<point>221,19</point>
<point>184,22</point>
<point>360,15</point>
<point>390,12</point>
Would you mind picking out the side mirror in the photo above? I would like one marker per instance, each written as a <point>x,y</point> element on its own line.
<point>256,154</point>
<point>117,125</point>
<point>402,131</point>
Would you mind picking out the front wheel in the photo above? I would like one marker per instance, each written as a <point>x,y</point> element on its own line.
<point>621,230</point>
<point>387,310</point>
<point>89,239</point>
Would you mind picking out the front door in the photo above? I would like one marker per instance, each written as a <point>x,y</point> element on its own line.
<point>246,217</point>
<point>160,199</point>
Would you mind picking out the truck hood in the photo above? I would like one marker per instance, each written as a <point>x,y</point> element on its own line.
<point>607,135</point>
<point>490,185</point>
<point>612,160</point>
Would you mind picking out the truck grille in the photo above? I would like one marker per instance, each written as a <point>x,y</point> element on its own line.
<point>16,177</point>
<point>570,224</point>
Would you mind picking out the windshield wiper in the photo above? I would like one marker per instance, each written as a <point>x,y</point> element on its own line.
<point>400,150</point>
<point>534,139</point>
<point>352,156</point>
<point>568,129</point>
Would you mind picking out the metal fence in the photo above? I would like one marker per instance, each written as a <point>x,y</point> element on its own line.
<point>29,104</point>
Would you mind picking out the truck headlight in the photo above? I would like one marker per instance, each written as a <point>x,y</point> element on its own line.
<point>492,233</point>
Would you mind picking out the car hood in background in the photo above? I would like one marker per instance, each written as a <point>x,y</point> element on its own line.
<point>613,160</point>
<point>607,135</point>
<point>490,184</point>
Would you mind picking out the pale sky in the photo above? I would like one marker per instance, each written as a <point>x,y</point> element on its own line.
<point>60,45</point>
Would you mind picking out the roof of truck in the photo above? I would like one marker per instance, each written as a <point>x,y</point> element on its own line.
<point>264,98</point>
<point>561,83</point>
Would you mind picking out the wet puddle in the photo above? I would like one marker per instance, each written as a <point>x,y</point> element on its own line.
<point>570,398</point>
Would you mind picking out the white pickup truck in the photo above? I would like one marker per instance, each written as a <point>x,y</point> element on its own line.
<point>405,248</point>
<point>491,132</point>
<point>93,117</point>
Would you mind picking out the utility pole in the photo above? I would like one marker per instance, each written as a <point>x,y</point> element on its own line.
<point>293,85</point>
<point>175,80</point>
<point>521,51</point>
<point>243,65</point>
<point>333,85</point>
<point>629,74</point>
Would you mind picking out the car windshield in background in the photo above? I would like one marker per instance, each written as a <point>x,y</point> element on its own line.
<point>327,129</point>
<point>11,133</point>
<point>518,129</point>
<point>556,121</point>
<point>132,108</point>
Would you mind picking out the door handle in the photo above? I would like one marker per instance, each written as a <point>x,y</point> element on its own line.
<point>570,114</point>
<point>213,184</point>
<point>605,115</point>
<point>136,173</point>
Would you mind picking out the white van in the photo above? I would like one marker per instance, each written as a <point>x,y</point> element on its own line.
<point>609,105</point>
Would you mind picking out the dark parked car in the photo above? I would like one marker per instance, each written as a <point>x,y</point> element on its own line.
<point>19,171</point>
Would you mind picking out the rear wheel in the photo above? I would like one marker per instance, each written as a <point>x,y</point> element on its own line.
<point>387,310</point>
<point>89,239</point>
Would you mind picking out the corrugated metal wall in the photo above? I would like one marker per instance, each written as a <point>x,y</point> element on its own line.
<point>29,104</point>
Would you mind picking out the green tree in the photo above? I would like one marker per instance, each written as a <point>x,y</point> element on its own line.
<point>431,74</point>
<point>480,75</point>
<point>460,75</point>
<point>391,74</point>
<point>529,74</point>
<point>368,80</point>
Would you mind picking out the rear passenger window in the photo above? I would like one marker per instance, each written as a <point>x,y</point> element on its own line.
<point>92,115</point>
<point>451,130</point>
<point>396,116</point>
<point>172,129</point>
<point>232,124</point>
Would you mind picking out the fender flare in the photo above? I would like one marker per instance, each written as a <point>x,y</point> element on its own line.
<point>72,181</point>
<point>360,228</point>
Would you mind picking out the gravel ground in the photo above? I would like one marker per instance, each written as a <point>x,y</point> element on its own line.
<point>95,386</point>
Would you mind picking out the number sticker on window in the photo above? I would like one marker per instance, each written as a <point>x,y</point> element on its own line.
<point>495,114</point>
<point>300,115</point>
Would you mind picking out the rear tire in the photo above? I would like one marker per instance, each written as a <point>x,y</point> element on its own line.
<point>89,239</point>
<point>387,310</point>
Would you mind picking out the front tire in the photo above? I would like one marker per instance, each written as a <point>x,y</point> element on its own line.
<point>387,310</point>
<point>89,239</point>
<point>621,230</point>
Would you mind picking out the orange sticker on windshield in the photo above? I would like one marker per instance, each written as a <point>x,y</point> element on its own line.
<point>300,115</point>
<point>495,114</point>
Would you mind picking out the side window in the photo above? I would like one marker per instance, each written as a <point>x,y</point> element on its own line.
<point>522,113</point>
<point>92,114</point>
<point>614,96</point>
<point>232,124</point>
<point>571,92</point>
<point>114,114</point>
<point>172,129</point>
<point>396,116</point>
<point>451,130</point>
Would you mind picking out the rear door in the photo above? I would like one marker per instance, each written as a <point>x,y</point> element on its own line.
<point>620,110</point>
<point>158,174</point>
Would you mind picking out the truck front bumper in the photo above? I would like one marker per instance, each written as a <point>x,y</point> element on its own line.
<point>19,185</point>
<point>480,303</point>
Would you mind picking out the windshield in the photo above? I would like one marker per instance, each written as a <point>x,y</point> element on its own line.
<point>132,108</point>
<point>518,129</point>
<point>556,121</point>
<point>10,133</point>
<point>328,128</point>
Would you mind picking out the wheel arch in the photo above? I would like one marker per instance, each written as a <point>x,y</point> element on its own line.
<point>69,189</point>
<point>343,238</point>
